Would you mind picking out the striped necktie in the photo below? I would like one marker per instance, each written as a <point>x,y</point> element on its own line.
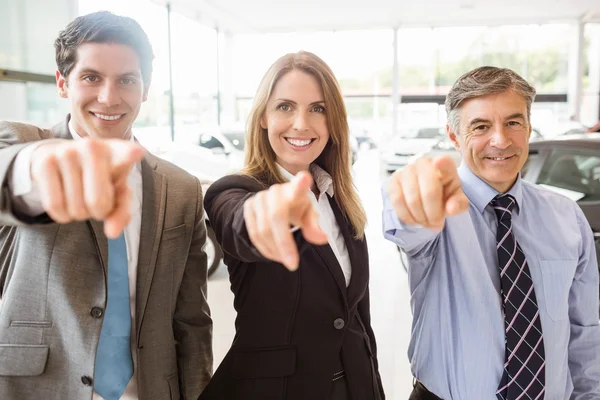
<point>524,367</point>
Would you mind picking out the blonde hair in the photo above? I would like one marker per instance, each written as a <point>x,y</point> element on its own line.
<point>336,156</point>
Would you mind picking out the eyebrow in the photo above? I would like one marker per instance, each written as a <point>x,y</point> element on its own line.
<point>94,72</point>
<point>515,116</point>
<point>487,121</point>
<point>293,102</point>
<point>479,121</point>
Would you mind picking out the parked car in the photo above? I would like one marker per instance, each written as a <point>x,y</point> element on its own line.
<point>228,145</point>
<point>410,143</point>
<point>569,165</point>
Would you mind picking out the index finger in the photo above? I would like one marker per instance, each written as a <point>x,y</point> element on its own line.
<point>279,217</point>
<point>123,156</point>
<point>446,169</point>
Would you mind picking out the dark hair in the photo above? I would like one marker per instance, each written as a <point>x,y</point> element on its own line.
<point>103,27</point>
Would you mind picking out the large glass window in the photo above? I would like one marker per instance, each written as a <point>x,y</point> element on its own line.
<point>31,102</point>
<point>28,29</point>
<point>193,63</point>
<point>590,102</point>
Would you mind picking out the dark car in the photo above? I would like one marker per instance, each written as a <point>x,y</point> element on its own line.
<point>570,165</point>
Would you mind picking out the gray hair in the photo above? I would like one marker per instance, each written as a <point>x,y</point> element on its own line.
<point>481,82</point>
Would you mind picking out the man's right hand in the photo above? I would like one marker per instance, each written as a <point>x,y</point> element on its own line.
<point>426,192</point>
<point>270,213</point>
<point>86,179</point>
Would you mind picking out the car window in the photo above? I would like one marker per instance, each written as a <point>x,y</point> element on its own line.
<point>429,133</point>
<point>236,138</point>
<point>210,142</point>
<point>533,156</point>
<point>575,173</point>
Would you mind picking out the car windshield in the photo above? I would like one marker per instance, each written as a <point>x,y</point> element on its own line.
<point>236,138</point>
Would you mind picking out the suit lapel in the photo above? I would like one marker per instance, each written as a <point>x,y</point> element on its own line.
<point>61,130</point>
<point>97,229</point>
<point>153,213</point>
<point>333,265</point>
<point>357,252</point>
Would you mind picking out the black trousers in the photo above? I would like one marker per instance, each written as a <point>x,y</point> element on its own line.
<point>420,392</point>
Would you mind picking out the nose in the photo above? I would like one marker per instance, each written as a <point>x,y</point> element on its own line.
<point>109,95</point>
<point>301,121</point>
<point>500,138</point>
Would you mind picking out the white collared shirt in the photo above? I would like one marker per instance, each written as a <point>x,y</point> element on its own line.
<point>327,221</point>
<point>26,199</point>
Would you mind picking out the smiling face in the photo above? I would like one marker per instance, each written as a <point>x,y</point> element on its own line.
<point>105,88</point>
<point>296,122</point>
<point>494,137</point>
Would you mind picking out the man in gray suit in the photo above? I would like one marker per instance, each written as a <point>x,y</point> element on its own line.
<point>102,268</point>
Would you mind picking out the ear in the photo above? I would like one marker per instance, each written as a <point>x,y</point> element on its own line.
<point>453,137</point>
<point>263,121</point>
<point>61,83</point>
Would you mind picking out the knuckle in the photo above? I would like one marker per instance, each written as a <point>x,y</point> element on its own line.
<point>68,153</point>
<point>98,204</point>
<point>91,146</point>
<point>429,194</point>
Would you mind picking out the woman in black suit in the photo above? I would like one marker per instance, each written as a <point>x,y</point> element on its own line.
<point>292,230</point>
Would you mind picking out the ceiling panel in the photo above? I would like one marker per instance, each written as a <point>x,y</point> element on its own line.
<point>262,16</point>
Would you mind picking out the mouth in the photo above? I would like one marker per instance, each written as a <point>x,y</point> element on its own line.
<point>500,158</point>
<point>300,143</point>
<point>107,117</point>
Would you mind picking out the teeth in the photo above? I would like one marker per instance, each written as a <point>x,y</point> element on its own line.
<point>499,158</point>
<point>108,117</point>
<point>299,143</point>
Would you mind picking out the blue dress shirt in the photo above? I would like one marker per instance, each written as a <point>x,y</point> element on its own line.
<point>457,343</point>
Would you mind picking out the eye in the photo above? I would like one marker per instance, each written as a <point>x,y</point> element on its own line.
<point>127,81</point>
<point>284,107</point>
<point>515,124</point>
<point>91,78</point>
<point>480,128</point>
<point>318,109</point>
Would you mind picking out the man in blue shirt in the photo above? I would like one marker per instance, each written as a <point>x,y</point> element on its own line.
<point>503,274</point>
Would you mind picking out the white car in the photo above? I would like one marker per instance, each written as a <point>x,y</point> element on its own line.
<point>229,145</point>
<point>403,148</point>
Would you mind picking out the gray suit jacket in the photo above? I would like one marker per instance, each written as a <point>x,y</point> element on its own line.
<point>53,289</point>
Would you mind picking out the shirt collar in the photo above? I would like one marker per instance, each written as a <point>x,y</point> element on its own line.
<point>77,136</point>
<point>323,180</point>
<point>480,193</point>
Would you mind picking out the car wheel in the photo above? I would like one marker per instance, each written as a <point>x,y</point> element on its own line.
<point>213,251</point>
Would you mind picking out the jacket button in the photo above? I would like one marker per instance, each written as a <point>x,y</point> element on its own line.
<point>339,323</point>
<point>97,312</point>
<point>86,380</point>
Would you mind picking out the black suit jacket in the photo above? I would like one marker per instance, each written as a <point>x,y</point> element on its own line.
<point>294,330</point>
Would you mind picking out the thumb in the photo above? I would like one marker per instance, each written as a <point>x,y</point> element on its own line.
<point>311,230</point>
